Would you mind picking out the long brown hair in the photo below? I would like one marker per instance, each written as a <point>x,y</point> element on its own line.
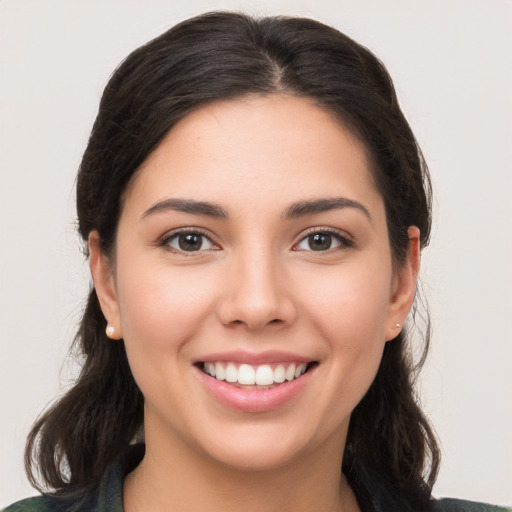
<point>221,56</point>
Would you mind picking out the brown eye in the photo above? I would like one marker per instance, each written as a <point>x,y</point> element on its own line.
<point>189,242</point>
<point>322,241</point>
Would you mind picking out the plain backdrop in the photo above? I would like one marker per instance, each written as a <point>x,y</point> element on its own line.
<point>451,62</point>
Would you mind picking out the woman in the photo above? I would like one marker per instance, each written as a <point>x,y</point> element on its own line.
<point>254,204</point>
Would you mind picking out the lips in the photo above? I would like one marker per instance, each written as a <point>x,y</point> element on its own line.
<point>255,382</point>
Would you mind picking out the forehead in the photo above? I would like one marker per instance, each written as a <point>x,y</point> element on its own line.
<point>256,151</point>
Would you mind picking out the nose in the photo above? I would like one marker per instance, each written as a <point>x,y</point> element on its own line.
<point>257,293</point>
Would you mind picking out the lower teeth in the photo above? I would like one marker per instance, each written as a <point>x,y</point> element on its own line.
<point>255,386</point>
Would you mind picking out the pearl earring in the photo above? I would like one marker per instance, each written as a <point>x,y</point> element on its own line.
<point>110,330</point>
<point>397,325</point>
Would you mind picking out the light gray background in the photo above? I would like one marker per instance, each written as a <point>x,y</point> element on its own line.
<point>451,62</point>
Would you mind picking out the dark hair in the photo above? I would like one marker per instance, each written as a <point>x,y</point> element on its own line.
<point>226,56</point>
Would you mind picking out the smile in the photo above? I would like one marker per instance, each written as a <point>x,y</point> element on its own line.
<point>255,384</point>
<point>257,376</point>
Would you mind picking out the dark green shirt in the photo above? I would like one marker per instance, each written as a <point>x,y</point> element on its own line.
<point>108,496</point>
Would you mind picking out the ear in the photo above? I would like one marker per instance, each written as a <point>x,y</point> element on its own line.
<point>404,286</point>
<point>102,272</point>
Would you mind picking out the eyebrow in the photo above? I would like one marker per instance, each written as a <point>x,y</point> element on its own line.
<point>295,210</point>
<point>187,206</point>
<point>310,207</point>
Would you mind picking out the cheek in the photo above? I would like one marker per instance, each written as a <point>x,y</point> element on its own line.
<point>162,306</point>
<point>348,308</point>
<point>162,310</point>
<point>349,303</point>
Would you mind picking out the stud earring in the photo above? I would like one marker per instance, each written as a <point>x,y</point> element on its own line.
<point>397,325</point>
<point>110,330</point>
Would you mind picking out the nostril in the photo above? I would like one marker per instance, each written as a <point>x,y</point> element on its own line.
<point>275,321</point>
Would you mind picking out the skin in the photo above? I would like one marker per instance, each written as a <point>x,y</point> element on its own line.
<point>257,286</point>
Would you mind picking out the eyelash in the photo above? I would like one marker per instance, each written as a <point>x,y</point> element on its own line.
<point>165,242</point>
<point>167,239</point>
<point>344,242</point>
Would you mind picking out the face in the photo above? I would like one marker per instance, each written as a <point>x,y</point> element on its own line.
<point>253,282</point>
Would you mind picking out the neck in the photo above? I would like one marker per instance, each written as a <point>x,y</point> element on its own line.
<point>174,475</point>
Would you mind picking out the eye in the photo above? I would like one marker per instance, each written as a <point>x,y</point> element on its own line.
<point>189,241</point>
<point>322,241</point>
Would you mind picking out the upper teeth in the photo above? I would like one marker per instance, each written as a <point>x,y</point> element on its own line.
<point>262,375</point>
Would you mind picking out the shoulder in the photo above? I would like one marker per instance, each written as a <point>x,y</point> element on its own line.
<point>54,503</point>
<point>453,505</point>
<point>105,495</point>
<point>38,504</point>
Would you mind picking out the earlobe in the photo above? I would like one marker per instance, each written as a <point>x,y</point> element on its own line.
<point>104,284</point>
<point>404,286</point>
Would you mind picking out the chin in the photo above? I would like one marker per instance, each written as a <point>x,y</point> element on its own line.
<point>254,458</point>
<point>260,449</point>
